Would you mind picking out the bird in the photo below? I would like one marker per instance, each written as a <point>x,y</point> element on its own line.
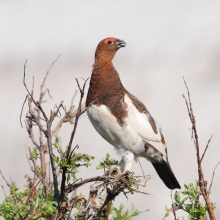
<point>122,119</point>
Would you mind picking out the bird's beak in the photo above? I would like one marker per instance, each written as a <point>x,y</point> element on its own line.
<point>120,43</point>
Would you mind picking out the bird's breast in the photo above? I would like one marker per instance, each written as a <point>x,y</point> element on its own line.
<point>120,135</point>
<point>105,123</point>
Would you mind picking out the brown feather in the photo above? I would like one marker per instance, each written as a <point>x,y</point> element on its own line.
<point>106,89</point>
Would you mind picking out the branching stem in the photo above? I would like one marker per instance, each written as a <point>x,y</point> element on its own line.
<point>202,182</point>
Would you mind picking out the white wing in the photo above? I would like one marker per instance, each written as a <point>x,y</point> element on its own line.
<point>141,124</point>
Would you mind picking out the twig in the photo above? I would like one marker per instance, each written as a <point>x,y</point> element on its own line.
<point>77,115</point>
<point>206,148</point>
<point>48,136</point>
<point>32,91</point>
<point>30,132</point>
<point>141,167</point>
<point>42,148</point>
<point>55,181</point>
<point>34,119</point>
<point>3,191</point>
<point>23,109</point>
<point>74,96</point>
<point>66,118</point>
<point>173,208</point>
<point>41,179</point>
<point>8,184</point>
<point>137,191</point>
<point>86,108</point>
<point>144,211</point>
<point>213,174</point>
<point>72,187</point>
<point>202,182</point>
<point>190,103</point>
<point>49,70</point>
<point>43,83</point>
<point>68,151</point>
<point>36,103</point>
<point>108,209</point>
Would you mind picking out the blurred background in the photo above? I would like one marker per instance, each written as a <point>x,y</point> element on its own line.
<point>166,40</point>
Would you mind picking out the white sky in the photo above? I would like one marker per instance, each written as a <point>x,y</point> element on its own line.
<point>165,40</point>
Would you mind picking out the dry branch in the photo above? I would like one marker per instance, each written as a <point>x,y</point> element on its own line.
<point>202,182</point>
<point>68,151</point>
<point>206,149</point>
<point>47,133</point>
<point>112,184</point>
<point>173,207</point>
<point>213,174</point>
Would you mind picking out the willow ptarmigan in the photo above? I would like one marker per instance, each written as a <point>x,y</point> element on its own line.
<point>121,119</point>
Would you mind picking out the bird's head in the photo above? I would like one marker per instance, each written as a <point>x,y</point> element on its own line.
<point>107,48</point>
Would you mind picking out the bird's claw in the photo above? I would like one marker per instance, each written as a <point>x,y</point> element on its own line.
<point>114,170</point>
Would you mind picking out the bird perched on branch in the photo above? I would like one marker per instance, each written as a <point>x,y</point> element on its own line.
<point>121,119</point>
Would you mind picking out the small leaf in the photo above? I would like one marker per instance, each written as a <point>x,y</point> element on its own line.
<point>177,198</point>
<point>68,178</point>
<point>34,153</point>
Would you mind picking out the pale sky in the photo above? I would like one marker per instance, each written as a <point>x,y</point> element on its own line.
<point>166,40</point>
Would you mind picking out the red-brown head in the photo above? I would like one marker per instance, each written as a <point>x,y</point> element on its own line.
<point>107,48</point>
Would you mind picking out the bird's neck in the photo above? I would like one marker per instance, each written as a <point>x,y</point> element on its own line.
<point>104,81</point>
<point>104,56</point>
<point>104,71</point>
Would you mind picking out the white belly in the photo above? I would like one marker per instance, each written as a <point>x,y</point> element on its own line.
<point>121,137</point>
<point>133,135</point>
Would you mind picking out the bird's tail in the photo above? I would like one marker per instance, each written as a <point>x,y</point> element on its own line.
<point>166,174</point>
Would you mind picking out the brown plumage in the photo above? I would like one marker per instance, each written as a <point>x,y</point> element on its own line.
<point>105,85</point>
<point>121,118</point>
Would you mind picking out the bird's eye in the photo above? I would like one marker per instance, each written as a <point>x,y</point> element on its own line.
<point>110,42</point>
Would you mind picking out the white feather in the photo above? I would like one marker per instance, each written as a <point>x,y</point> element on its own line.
<point>133,135</point>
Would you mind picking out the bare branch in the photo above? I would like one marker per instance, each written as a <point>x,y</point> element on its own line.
<point>36,103</point>
<point>32,91</point>
<point>140,166</point>
<point>206,148</point>
<point>47,134</point>
<point>34,119</point>
<point>3,191</point>
<point>68,151</point>
<point>173,208</point>
<point>201,181</point>
<point>190,103</point>
<point>23,109</point>
<point>8,184</point>
<point>77,116</point>
<point>74,96</point>
<point>31,134</point>
<point>66,118</point>
<point>213,174</point>
<point>43,83</point>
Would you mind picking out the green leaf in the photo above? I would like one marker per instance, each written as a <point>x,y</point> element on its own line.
<point>68,178</point>
<point>118,213</point>
<point>34,153</point>
<point>177,198</point>
<point>107,162</point>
